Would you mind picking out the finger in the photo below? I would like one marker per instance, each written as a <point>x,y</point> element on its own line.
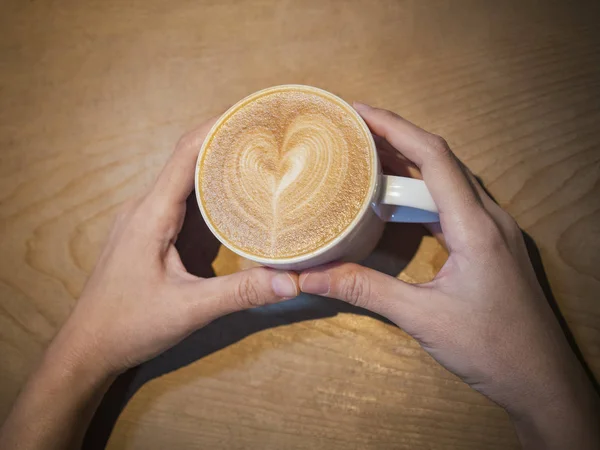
<point>215,297</point>
<point>176,180</point>
<point>365,288</point>
<point>392,161</point>
<point>451,191</point>
<point>385,148</point>
<point>507,224</point>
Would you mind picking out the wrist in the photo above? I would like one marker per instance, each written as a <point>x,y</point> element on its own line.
<point>61,369</point>
<point>73,355</point>
<point>561,413</point>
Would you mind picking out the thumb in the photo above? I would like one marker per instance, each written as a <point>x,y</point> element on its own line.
<point>244,290</point>
<point>365,288</point>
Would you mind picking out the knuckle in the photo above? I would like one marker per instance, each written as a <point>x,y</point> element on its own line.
<point>184,141</point>
<point>437,145</point>
<point>155,209</point>
<point>145,216</point>
<point>490,235</point>
<point>386,114</point>
<point>355,288</point>
<point>193,138</point>
<point>247,295</point>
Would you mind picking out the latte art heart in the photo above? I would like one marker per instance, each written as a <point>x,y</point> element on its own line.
<point>280,179</point>
<point>285,174</point>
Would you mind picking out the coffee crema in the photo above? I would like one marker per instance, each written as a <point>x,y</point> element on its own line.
<point>285,172</point>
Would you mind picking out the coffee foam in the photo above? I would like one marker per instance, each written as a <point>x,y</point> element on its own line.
<point>285,173</point>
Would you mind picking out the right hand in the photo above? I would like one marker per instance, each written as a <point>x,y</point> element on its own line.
<point>484,317</point>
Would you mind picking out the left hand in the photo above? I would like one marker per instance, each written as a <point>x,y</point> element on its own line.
<point>140,300</point>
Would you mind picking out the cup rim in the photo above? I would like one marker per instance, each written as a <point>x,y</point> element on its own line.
<point>273,262</point>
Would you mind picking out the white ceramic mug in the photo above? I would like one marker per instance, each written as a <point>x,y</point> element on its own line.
<point>390,199</point>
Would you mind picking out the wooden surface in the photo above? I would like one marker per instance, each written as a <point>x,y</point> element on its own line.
<point>94,94</point>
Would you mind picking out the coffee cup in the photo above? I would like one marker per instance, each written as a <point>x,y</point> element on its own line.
<point>290,178</point>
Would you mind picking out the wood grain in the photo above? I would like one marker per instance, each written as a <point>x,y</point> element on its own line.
<point>94,94</point>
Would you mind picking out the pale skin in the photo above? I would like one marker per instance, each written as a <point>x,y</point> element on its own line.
<point>484,316</point>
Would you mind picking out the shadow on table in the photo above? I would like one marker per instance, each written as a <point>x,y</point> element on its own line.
<point>198,248</point>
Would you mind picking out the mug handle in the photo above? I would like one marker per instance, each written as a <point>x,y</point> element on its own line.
<point>404,199</point>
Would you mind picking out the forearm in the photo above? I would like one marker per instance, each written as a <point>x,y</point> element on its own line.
<point>56,405</point>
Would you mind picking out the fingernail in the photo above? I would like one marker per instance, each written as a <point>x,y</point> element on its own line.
<point>284,286</point>
<point>361,106</point>
<point>316,283</point>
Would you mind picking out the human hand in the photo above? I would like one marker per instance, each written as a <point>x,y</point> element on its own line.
<point>140,300</point>
<point>484,316</point>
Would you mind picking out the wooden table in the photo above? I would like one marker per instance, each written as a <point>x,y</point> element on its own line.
<point>94,94</point>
